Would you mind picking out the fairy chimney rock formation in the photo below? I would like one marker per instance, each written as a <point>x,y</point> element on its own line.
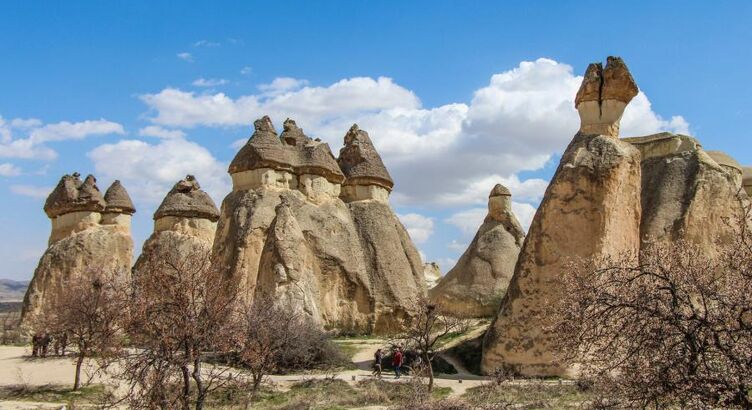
<point>476,284</point>
<point>354,267</point>
<point>88,234</point>
<point>590,208</point>
<point>603,96</point>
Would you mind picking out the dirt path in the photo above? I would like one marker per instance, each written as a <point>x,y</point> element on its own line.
<point>18,368</point>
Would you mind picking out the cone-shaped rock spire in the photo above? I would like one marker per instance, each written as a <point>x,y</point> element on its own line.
<point>118,200</point>
<point>361,163</point>
<point>186,199</point>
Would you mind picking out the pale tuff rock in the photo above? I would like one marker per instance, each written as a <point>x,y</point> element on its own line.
<point>284,231</point>
<point>729,164</point>
<point>747,181</point>
<point>476,284</point>
<point>86,236</point>
<point>589,208</point>
<point>603,96</point>
<point>432,273</point>
<point>687,193</point>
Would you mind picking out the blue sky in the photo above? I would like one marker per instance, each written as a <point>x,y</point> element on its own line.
<point>456,95</point>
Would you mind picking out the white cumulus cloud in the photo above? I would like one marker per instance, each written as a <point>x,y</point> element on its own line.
<point>149,170</point>
<point>418,226</point>
<point>36,135</point>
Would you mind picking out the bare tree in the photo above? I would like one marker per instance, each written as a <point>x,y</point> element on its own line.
<point>180,310</point>
<point>89,310</point>
<point>671,325</point>
<point>423,331</point>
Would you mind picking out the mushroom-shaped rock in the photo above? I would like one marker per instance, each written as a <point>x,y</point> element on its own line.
<point>72,195</point>
<point>475,285</point>
<point>118,200</point>
<point>187,200</point>
<point>603,96</point>
<point>263,150</point>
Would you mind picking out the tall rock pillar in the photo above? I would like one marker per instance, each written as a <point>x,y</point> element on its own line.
<point>476,284</point>
<point>591,207</point>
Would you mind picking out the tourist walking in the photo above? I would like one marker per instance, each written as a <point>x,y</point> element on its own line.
<point>397,361</point>
<point>377,358</point>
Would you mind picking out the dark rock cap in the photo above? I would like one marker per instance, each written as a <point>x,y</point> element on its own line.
<point>187,200</point>
<point>118,200</point>
<point>614,82</point>
<point>293,151</point>
<point>499,190</point>
<point>72,195</point>
<point>360,162</point>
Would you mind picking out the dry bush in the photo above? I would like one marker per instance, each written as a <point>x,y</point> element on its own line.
<point>267,338</point>
<point>670,326</point>
<point>10,328</point>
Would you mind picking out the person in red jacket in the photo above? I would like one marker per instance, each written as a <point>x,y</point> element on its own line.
<point>397,361</point>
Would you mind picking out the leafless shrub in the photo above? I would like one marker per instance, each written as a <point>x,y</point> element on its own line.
<point>672,325</point>
<point>89,310</point>
<point>425,330</point>
<point>180,311</point>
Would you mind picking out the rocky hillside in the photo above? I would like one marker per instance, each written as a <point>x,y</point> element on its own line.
<point>12,290</point>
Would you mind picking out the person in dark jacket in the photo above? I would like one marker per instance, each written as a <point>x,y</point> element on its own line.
<point>377,358</point>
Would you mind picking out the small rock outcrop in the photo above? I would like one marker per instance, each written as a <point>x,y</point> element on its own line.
<point>432,273</point>
<point>184,223</point>
<point>747,181</point>
<point>317,236</point>
<point>475,285</point>
<point>687,193</point>
<point>589,208</point>
<point>89,235</point>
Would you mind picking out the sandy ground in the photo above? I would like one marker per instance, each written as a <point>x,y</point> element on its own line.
<point>17,367</point>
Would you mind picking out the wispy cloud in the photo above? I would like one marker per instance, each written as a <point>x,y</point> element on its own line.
<point>31,190</point>
<point>9,170</point>
<point>159,132</point>
<point>209,82</point>
<point>185,56</point>
<point>247,70</point>
<point>206,43</point>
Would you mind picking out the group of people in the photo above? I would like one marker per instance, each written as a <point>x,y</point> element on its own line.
<point>398,361</point>
<point>40,344</point>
